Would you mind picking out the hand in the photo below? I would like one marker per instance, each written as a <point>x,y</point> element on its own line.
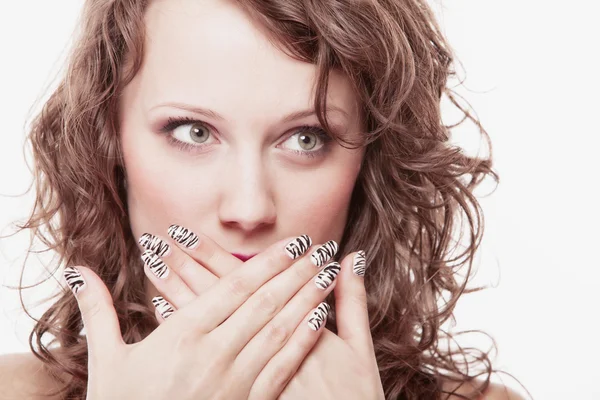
<point>356,377</point>
<point>215,347</point>
<point>344,366</point>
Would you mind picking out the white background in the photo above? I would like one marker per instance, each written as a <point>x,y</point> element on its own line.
<point>532,77</point>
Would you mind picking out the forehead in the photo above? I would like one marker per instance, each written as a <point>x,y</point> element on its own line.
<point>210,53</point>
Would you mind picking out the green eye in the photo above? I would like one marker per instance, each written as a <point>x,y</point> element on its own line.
<point>304,140</point>
<point>198,133</point>
<point>193,135</point>
<point>308,140</point>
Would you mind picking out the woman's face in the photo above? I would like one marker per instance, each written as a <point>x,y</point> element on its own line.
<point>239,168</point>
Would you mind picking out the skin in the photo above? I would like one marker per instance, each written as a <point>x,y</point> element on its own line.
<point>248,191</point>
<point>338,366</point>
<point>253,182</point>
<point>25,379</point>
<point>245,188</point>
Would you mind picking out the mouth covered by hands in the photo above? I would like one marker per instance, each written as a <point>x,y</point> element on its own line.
<point>214,347</point>
<point>340,365</point>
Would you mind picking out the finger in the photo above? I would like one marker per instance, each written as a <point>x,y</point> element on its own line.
<point>159,318</point>
<point>275,376</point>
<point>252,316</point>
<point>163,309</point>
<point>204,250</point>
<point>222,299</point>
<point>166,282</point>
<point>266,343</point>
<point>97,310</point>
<point>193,274</point>
<point>352,317</point>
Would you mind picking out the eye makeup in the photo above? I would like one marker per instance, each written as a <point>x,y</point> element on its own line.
<point>175,122</point>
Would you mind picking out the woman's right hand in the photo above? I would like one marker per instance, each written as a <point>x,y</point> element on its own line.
<point>215,346</point>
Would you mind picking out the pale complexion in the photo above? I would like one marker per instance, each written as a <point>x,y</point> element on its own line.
<point>247,188</point>
<point>245,185</point>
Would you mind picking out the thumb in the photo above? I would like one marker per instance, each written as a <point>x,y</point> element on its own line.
<point>97,310</point>
<point>352,317</point>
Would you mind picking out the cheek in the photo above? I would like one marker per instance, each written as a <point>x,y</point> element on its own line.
<point>162,189</point>
<point>159,188</point>
<point>320,206</point>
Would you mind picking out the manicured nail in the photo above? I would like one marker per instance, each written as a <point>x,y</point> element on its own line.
<point>327,276</point>
<point>154,243</point>
<point>164,308</point>
<point>319,316</point>
<point>156,265</point>
<point>74,279</point>
<point>324,253</point>
<point>298,246</point>
<point>360,263</point>
<point>183,236</point>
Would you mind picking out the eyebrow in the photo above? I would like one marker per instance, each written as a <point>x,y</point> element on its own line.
<point>288,118</point>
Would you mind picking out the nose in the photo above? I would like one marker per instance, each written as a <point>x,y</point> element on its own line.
<point>246,200</point>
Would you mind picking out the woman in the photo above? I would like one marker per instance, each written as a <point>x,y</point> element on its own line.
<point>220,177</point>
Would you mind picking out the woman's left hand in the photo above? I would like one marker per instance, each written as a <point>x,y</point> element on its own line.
<point>338,366</point>
<point>341,366</point>
<point>333,370</point>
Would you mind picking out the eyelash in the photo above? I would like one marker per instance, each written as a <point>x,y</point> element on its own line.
<point>173,123</point>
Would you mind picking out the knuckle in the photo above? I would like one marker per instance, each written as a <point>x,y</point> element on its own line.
<point>185,340</point>
<point>305,296</point>
<point>90,309</point>
<point>276,334</point>
<point>279,378</point>
<point>213,256</point>
<point>266,303</point>
<point>303,343</point>
<point>176,291</point>
<point>301,273</point>
<point>218,345</point>
<point>360,300</point>
<point>185,265</point>
<point>238,286</point>
<point>272,262</point>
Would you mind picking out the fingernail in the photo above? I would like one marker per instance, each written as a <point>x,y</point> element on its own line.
<point>327,276</point>
<point>360,263</point>
<point>319,316</point>
<point>154,243</point>
<point>298,246</point>
<point>74,279</point>
<point>164,308</point>
<point>183,236</point>
<point>156,265</point>
<point>324,253</point>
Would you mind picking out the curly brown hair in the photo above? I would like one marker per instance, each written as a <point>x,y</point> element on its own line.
<point>413,188</point>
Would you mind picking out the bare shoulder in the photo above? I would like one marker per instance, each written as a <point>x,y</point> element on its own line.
<point>494,391</point>
<point>22,377</point>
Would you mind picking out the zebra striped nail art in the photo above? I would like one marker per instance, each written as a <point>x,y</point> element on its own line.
<point>298,246</point>
<point>164,308</point>
<point>327,276</point>
<point>360,264</point>
<point>74,279</point>
<point>183,236</point>
<point>151,242</point>
<point>156,265</point>
<point>319,316</point>
<point>324,253</point>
